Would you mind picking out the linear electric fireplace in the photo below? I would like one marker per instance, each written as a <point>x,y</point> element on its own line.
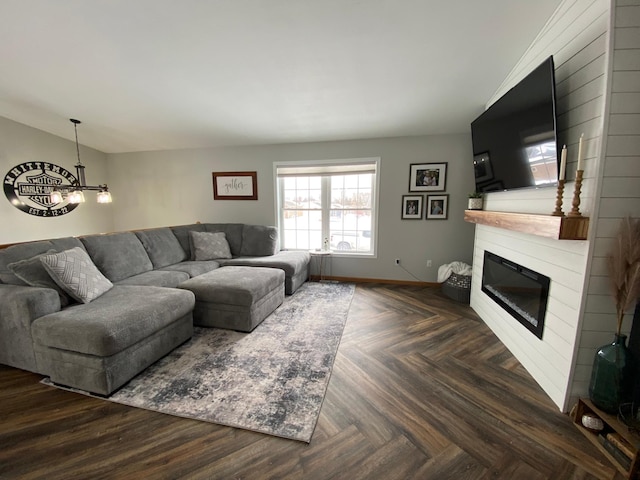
<point>520,291</point>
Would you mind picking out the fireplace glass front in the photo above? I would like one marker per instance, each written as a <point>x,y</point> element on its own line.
<point>520,291</point>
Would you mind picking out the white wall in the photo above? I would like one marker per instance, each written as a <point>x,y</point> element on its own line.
<point>19,144</point>
<point>620,191</point>
<point>175,187</point>
<point>577,35</point>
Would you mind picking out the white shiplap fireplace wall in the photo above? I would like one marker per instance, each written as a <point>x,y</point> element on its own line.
<point>577,35</point>
<point>619,194</point>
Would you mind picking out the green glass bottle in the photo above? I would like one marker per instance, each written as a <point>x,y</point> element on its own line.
<point>610,376</point>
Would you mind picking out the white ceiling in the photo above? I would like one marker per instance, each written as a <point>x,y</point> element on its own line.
<point>164,74</point>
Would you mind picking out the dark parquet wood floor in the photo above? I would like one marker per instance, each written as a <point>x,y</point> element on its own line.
<point>421,389</point>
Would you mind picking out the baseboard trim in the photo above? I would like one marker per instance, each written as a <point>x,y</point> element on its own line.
<point>386,281</point>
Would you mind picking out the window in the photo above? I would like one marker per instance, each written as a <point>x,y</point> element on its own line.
<point>543,163</point>
<point>328,205</point>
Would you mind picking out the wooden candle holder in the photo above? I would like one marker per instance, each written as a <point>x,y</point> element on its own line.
<point>558,211</point>
<point>575,211</point>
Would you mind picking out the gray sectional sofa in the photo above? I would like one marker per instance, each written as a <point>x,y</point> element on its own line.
<point>136,296</point>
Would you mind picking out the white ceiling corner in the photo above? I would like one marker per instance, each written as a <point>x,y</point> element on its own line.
<point>160,74</point>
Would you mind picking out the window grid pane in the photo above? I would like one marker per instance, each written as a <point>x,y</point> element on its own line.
<point>348,212</point>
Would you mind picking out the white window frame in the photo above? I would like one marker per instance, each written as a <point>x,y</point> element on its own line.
<point>330,165</point>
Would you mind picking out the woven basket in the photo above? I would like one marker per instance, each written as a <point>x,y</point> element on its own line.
<point>458,287</point>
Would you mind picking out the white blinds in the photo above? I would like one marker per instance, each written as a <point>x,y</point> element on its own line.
<point>322,169</point>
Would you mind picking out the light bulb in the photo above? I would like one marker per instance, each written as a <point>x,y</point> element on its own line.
<point>55,196</point>
<point>76,197</point>
<point>104,197</point>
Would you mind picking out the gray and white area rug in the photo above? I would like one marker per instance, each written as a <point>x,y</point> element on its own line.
<point>272,380</point>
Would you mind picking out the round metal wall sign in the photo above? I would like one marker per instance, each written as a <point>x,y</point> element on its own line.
<point>28,187</point>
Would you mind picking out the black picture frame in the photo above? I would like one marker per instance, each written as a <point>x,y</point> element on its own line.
<point>482,168</point>
<point>437,207</point>
<point>412,206</point>
<point>427,177</point>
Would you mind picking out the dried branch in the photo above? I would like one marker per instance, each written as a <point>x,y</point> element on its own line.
<point>624,267</point>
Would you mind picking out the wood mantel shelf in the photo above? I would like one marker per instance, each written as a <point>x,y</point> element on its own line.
<point>558,228</point>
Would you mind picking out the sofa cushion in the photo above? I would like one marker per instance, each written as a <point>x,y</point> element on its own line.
<point>162,246</point>
<point>210,246</point>
<point>118,255</point>
<point>233,232</point>
<point>157,278</point>
<point>182,234</point>
<point>28,250</point>
<point>19,252</point>
<point>259,240</point>
<point>66,243</point>
<point>76,274</point>
<point>32,272</point>
<point>122,317</point>
<point>291,261</point>
<point>193,268</point>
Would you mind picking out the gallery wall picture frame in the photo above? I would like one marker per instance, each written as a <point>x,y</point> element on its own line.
<point>437,207</point>
<point>427,177</point>
<point>496,186</point>
<point>482,167</point>
<point>412,207</point>
<point>235,185</point>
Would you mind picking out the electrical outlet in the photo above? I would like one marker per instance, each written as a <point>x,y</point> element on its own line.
<point>397,261</point>
<point>429,264</point>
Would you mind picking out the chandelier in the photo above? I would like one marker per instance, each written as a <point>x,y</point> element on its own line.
<point>76,194</point>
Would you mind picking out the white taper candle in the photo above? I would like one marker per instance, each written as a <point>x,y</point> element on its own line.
<point>580,152</point>
<point>563,162</point>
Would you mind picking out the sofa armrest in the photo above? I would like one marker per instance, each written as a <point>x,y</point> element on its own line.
<point>19,307</point>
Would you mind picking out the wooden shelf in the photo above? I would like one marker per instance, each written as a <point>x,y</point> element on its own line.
<point>558,228</point>
<point>611,425</point>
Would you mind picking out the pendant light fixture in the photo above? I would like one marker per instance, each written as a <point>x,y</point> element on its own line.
<point>77,188</point>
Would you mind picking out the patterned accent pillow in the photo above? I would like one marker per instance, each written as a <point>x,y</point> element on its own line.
<point>210,246</point>
<point>76,274</point>
<point>32,272</point>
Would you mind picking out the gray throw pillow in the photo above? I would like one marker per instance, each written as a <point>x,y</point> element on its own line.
<point>76,274</point>
<point>32,272</point>
<point>210,246</point>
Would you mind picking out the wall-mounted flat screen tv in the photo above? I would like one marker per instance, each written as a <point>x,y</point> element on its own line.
<point>514,140</point>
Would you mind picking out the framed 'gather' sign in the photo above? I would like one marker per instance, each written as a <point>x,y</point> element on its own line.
<point>235,185</point>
